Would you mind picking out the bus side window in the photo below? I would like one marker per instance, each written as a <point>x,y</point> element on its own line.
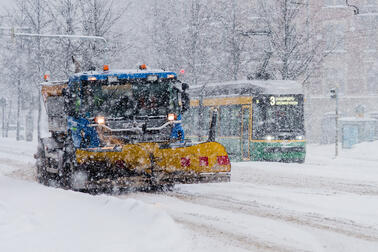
<point>258,120</point>
<point>225,122</point>
<point>235,120</point>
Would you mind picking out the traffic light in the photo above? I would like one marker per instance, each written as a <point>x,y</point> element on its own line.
<point>332,93</point>
<point>3,102</point>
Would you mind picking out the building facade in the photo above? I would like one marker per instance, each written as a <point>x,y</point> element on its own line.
<point>351,64</point>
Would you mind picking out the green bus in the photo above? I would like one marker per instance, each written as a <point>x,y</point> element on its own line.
<point>257,120</point>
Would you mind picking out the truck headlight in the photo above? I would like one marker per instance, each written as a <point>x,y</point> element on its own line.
<point>172,117</point>
<point>100,120</point>
<point>152,78</point>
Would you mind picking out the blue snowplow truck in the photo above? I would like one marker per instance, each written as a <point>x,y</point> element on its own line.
<point>122,129</point>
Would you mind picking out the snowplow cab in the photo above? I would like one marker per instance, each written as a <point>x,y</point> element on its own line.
<point>124,127</point>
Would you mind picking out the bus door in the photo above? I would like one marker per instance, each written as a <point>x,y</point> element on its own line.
<point>245,132</point>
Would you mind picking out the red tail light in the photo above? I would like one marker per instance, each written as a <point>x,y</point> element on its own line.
<point>223,160</point>
<point>204,161</point>
<point>185,162</point>
<point>120,164</point>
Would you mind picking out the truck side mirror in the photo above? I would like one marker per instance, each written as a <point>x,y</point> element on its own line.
<point>185,98</point>
<point>185,87</point>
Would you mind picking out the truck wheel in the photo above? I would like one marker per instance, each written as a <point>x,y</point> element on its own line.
<point>68,164</point>
<point>78,180</point>
<point>41,163</point>
<point>72,177</point>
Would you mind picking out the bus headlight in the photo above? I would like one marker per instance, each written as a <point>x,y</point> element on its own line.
<point>100,120</point>
<point>269,138</point>
<point>299,138</point>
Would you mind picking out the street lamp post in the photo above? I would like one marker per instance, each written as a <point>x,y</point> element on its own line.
<point>58,36</point>
<point>334,94</point>
<point>18,110</point>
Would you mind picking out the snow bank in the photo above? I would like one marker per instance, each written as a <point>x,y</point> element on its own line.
<point>38,218</point>
<point>16,158</point>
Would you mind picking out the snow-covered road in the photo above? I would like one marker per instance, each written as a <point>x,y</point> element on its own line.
<point>325,204</point>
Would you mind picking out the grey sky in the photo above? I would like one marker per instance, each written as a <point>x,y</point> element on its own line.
<point>6,2</point>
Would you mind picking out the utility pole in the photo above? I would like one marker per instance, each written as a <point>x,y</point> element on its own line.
<point>337,124</point>
<point>3,103</point>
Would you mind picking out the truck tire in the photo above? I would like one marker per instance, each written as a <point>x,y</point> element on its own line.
<point>72,177</point>
<point>41,164</point>
<point>40,156</point>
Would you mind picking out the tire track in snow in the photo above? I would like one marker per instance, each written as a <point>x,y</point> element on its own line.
<point>15,152</point>
<point>24,174</point>
<point>236,240</point>
<point>20,170</point>
<point>207,226</point>
<point>341,226</point>
<point>12,163</point>
<point>317,182</point>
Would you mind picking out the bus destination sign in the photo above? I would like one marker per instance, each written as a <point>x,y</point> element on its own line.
<point>283,100</point>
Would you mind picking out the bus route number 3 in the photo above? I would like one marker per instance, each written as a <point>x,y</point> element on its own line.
<point>272,100</point>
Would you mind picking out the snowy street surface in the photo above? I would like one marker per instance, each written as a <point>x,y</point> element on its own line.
<point>325,204</point>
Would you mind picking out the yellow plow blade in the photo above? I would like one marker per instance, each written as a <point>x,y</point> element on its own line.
<point>206,161</point>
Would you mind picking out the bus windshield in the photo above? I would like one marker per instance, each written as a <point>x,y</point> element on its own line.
<point>128,99</point>
<point>278,116</point>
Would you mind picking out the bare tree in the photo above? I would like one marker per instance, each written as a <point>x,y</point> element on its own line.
<point>292,37</point>
<point>65,15</point>
<point>34,15</point>
<point>167,35</point>
<point>198,18</point>
<point>233,43</point>
<point>182,37</point>
<point>97,19</point>
<point>31,58</point>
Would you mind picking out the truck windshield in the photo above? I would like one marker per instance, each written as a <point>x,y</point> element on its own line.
<point>275,115</point>
<point>128,99</point>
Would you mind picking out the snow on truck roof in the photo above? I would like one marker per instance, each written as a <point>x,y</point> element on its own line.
<point>123,74</point>
<point>250,87</point>
<point>54,88</point>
